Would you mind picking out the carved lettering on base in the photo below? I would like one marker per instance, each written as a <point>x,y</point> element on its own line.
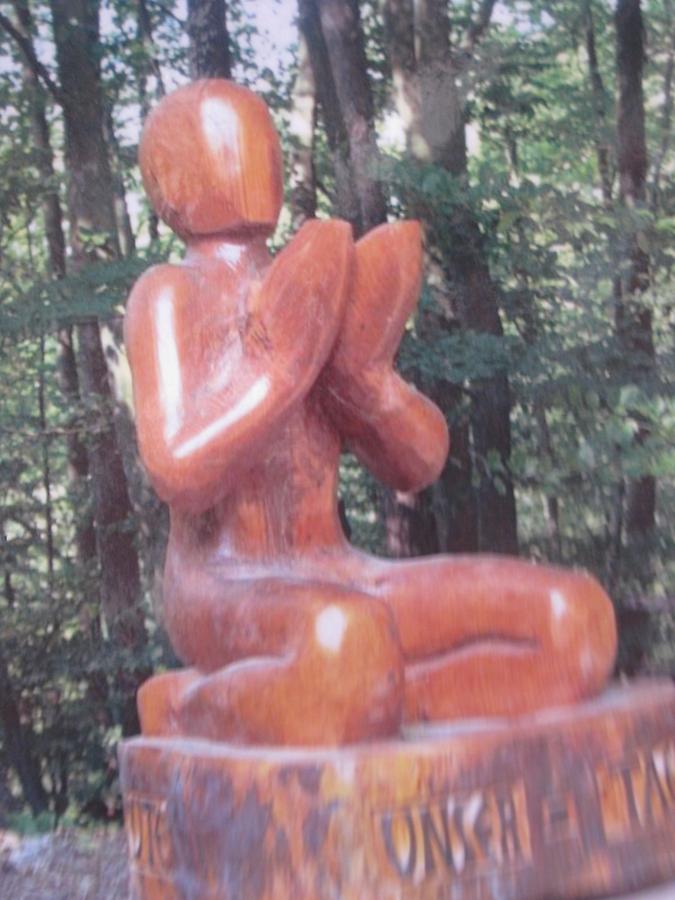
<point>147,833</point>
<point>639,792</point>
<point>467,834</point>
<point>454,834</point>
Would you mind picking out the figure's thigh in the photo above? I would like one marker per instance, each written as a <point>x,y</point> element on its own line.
<point>496,636</point>
<point>443,601</point>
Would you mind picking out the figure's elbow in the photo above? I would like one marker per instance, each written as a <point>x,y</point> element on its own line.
<point>427,452</point>
<point>166,476</point>
<point>434,452</point>
<point>179,481</point>
<point>410,457</point>
<point>423,438</point>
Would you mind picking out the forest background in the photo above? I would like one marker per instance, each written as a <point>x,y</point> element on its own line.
<point>534,142</point>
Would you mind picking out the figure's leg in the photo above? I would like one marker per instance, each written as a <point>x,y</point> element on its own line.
<point>496,636</point>
<point>288,662</point>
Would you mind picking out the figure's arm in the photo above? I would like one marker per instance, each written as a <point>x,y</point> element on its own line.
<point>398,433</point>
<point>199,430</point>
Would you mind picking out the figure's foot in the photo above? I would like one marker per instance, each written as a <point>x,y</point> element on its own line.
<point>160,698</point>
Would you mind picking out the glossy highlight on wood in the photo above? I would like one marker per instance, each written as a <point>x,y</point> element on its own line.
<point>251,375</point>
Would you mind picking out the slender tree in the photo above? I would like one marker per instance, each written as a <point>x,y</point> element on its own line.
<point>18,742</point>
<point>666,123</point>
<point>209,49</point>
<point>633,314</point>
<point>125,232</point>
<point>332,31</point>
<point>302,129</point>
<point>56,255</point>
<point>93,236</point>
<point>148,66</point>
<point>601,137</point>
<point>345,49</point>
<point>78,463</point>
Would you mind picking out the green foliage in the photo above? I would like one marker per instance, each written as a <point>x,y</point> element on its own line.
<point>28,825</point>
<point>553,245</point>
<point>361,496</point>
<point>555,249</point>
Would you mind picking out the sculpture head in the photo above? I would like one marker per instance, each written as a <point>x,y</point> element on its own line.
<point>211,161</point>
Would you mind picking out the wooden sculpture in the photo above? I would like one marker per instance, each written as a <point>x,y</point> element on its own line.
<point>250,376</point>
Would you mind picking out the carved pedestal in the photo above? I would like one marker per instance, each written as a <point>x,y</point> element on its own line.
<point>577,802</point>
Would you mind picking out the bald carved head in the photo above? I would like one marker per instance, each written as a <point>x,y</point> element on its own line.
<point>211,161</point>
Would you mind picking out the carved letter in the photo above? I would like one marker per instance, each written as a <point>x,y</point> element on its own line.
<point>405,867</point>
<point>431,836</point>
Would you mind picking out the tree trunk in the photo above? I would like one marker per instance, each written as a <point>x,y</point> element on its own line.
<point>472,293</point>
<point>334,37</point>
<point>78,464</point>
<point>209,50</point>
<point>429,102</point>
<point>78,461</point>
<point>56,252</point>
<point>474,298</point>
<point>93,236</point>
<point>17,744</point>
<point>410,527</point>
<point>302,127</point>
<point>633,315</point>
<point>343,38</point>
<point>148,65</point>
<point>666,125</point>
<point>442,518</point>
<point>599,97</point>
<point>399,26</point>
<point>125,233</point>
<point>347,204</point>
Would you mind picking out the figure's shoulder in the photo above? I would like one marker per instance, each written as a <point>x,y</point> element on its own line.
<point>161,284</point>
<point>162,279</point>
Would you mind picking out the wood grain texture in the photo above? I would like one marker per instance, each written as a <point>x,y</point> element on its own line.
<point>573,803</point>
<point>251,374</point>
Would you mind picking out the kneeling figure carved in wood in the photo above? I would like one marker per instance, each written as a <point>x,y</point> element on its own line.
<point>251,374</point>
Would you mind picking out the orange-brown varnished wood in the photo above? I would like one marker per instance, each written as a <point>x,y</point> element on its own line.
<point>251,375</point>
<point>575,803</point>
<point>211,161</point>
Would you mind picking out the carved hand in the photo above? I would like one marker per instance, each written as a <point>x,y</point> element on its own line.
<point>397,432</point>
<point>387,279</point>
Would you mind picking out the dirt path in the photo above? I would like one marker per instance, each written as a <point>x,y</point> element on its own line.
<point>73,865</point>
<point>91,865</point>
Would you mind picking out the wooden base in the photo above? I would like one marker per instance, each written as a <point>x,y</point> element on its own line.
<point>574,803</point>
